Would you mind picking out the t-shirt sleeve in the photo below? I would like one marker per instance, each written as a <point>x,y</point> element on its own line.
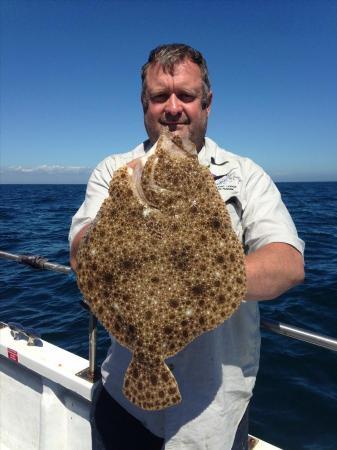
<point>265,217</point>
<point>97,191</point>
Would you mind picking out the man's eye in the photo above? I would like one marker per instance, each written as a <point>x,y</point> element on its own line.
<point>186,98</point>
<point>160,98</point>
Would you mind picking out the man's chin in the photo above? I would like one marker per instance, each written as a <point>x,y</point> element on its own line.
<point>179,130</point>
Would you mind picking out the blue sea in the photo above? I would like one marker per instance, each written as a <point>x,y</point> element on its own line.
<point>295,399</point>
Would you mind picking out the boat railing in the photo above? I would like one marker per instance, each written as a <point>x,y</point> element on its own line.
<point>90,373</point>
<point>38,262</point>
<point>300,334</point>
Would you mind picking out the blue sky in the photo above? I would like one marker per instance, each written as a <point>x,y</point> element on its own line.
<point>70,81</point>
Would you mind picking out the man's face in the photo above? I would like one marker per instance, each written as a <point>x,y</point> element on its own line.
<point>174,101</point>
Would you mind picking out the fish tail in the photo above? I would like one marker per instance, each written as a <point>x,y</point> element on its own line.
<point>151,386</point>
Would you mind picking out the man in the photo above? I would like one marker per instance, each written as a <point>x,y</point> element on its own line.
<point>216,372</point>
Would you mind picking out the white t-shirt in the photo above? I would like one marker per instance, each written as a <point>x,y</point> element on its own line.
<point>216,372</point>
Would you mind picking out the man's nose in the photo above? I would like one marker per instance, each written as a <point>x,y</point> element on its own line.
<point>173,105</point>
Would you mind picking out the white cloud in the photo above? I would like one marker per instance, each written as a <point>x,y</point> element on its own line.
<point>45,173</point>
<point>44,168</point>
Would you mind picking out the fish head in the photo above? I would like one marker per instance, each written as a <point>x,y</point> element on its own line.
<point>159,178</point>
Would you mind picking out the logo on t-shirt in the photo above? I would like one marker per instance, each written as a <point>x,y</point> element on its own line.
<point>227,182</point>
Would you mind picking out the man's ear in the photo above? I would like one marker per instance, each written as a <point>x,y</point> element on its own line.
<point>145,102</point>
<point>209,101</point>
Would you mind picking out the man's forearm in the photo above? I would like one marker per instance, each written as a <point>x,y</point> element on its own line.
<point>75,244</point>
<point>272,270</point>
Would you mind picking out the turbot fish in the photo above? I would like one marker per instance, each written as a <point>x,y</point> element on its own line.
<point>161,264</point>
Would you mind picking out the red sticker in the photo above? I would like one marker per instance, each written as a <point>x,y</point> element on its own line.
<point>13,355</point>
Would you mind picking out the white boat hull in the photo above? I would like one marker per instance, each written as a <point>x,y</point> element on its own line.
<point>44,405</point>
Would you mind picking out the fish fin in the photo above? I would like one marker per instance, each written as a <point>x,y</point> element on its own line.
<point>151,386</point>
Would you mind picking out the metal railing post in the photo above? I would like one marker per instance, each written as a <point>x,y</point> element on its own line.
<point>92,345</point>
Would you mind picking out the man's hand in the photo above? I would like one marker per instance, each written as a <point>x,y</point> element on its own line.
<point>75,244</point>
<point>272,270</point>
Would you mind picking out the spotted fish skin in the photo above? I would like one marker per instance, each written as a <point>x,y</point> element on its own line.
<point>161,264</point>
<point>154,380</point>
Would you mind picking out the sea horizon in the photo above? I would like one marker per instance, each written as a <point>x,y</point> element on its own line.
<point>85,183</point>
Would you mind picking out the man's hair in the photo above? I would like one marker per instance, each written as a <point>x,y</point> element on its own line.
<point>168,56</point>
